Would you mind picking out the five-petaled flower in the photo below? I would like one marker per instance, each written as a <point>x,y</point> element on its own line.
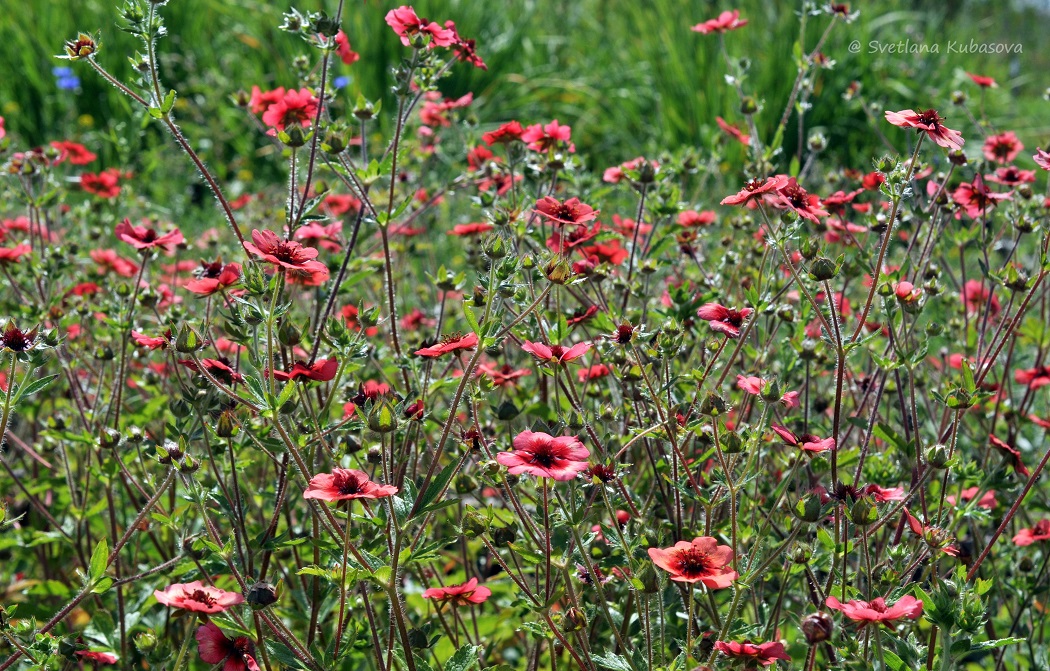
<point>757,188</point>
<point>722,319</point>
<point>454,343</point>
<point>877,610</point>
<point>765,654</point>
<point>542,138</point>
<point>556,353</point>
<point>1002,148</point>
<point>1011,453</point>
<point>929,122</point>
<point>286,254</point>
<point>466,594</point>
<point>293,107</point>
<point>407,24</point>
<point>197,597</point>
<point>545,456</point>
<point>724,22</point>
<point>572,211</point>
<point>214,277</point>
<point>142,238</point>
<point>346,484</point>
<point>806,442</point>
<point>321,370</point>
<point>700,560</point>
<point>214,648</point>
<point>1039,532</point>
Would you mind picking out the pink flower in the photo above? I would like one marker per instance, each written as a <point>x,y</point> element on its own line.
<point>213,648</point>
<point>765,654</point>
<point>1002,148</point>
<point>726,21</point>
<point>756,188</point>
<point>286,254</point>
<point>556,353</point>
<point>217,368</point>
<point>160,342</point>
<point>97,657</point>
<point>1011,453</point>
<point>344,484</point>
<point>544,456</point>
<point>261,100</point>
<point>700,560</point>
<point>595,372</point>
<point>465,50</point>
<point>470,229</point>
<point>1040,532</point>
<point>935,537</point>
<point>505,134</point>
<point>452,343</point>
<point>691,218</point>
<point>793,197</point>
<point>460,595</point>
<point>406,24</point>
<point>504,375</point>
<point>987,500</point>
<point>974,296</point>
<point>109,260</point>
<point>976,198</point>
<point>13,254</point>
<point>542,138</point>
<point>1033,377</point>
<point>754,385</point>
<point>1042,159</point>
<point>877,610</point>
<point>1011,175</point>
<point>929,122</point>
<point>105,184</point>
<point>884,494</point>
<point>983,82</point>
<point>722,319</point>
<point>141,237</point>
<point>806,442</point>
<point>572,211</point>
<point>198,598</point>
<point>77,154</point>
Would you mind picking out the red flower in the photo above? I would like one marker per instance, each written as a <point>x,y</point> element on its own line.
<point>1011,453</point>
<point>160,342</point>
<point>765,654</point>
<point>286,254</point>
<point>97,657</point>
<point>1002,148</point>
<point>406,24</point>
<point>722,319</point>
<point>581,316</point>
<point>983,82</point>
<point>572,211</point>
<point>353,321</point>
<point>754,385</point>
<point>1040,532</point>
<point>13,254</point>
<point>561,241</point>
<point>105,184</point>
<point>726,21</point>
<point>545,456</point>
<point>974,296</point>
<point>542,138</point>
<point>1011,175</point>
<point>1033,377</point>
<point>504,375</point>
<point>435,113</point>
<point>343,50</point>
<point>884,494</point>
<point>338,204</point>
<point>616,174</point>
<point>465,50</point>
<point>595,372</point>
<point>468,593</point>
<point>141,237</point>
<point>507,133</point>
<point>344,484</point>
<point>987,500</point>
<point>77,154</point>
<point>806,442</point>
<point>907,293</point>
<point>701,560</point>
<point>293,107</point>
<point>218,368</point>
<point>929,122</point>
<point>214,648</point>
<point>604,252</point>
<point>321,370</point>
<point>470,229</point>
<point>692,218</point>
<point>197,597</point>
<point>449,344</point>
<point>214,277</point>
<point>107,259</point>
<point>733,132</point>
<point>756,188</point>
<point>873,180</point>
<point>793,197</point>
<point>877,610</point>
<point>555,353</point>
<point>261,100</point>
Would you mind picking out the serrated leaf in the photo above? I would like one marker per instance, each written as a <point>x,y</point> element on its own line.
<point>436,486</point>
<point>612,661</point>
<point>464,659</point>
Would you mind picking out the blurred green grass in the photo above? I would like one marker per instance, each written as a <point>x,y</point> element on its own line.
<point>629,77</point>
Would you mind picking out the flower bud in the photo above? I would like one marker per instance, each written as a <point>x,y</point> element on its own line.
<point>748,105</point>
<point>557,270</point>
<point>809,508</point>
<point>863,512</point>
<point>937,456</point>
<point>188,465</point>
<point>289,334</point>
<point>261,594</point>
<point>145,642</point>
<point>226,425</point>
<point>375,455</point>
<point>108,438</point>
<point>823,269</point>
<point>82,47</point>
<point>712,405</point>
<point>817,628</point>
<point>475,524</point>
<point>189,340</point>
<point>574,619</point>
<point>382,418</point>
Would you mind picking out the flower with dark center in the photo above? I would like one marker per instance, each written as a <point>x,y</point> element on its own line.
<point>197,597</point>
<point>344,484</point>
<point>929,122</point>
<point>544,456</point>
<point>701,560</point>
<point>14,339</point>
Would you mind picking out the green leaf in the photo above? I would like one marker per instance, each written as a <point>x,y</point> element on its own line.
<point>169,102</point>
<point>464,659</point>
<point>612,661</point>
<point>283,655</point>
<point>99,561</point>
<point>102,586</point>
<point>33,387</point>
<point>436,486</point>
<point>156,112</point>
<point>999,643</point>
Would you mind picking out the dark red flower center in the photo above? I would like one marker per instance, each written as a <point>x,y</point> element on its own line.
<point>200,596</point>
<point>348,485</point>
<point>18,340</point>
<point>930,118</point>
<point>693,563</point>
<point>544,454</point>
